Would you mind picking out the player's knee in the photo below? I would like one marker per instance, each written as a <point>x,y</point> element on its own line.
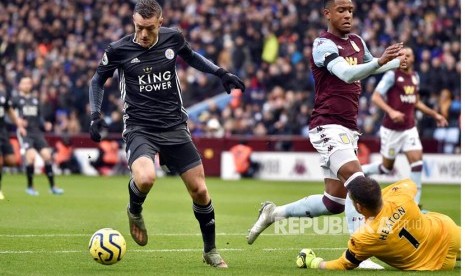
<point>335,205</point>
<point>199,192</point>
<point>145,180</point>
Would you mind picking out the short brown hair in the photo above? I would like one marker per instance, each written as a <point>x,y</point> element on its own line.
<point>148,8</point>
<point>365,191</point>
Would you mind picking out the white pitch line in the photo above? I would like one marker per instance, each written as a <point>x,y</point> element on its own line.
<point>160,250</point>
<point>156,234</point>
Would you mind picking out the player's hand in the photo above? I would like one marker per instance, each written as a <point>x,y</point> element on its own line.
<point>440,120</point>
<point>396,116</point>
<point>403,60</point>
<point>391,52</point>
<point>98,127</point>
<point>230,81</point>
<point>308,259</point>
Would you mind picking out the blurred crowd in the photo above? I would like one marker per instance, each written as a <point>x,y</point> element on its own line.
<point>268,43</point>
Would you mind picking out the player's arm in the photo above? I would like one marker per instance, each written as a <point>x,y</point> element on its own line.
<point>440,120</point>
<point>325,53</point>
<point>347,261</point>
<point>197,61</point>
<point>381,90</point>
<point>16,120</point>
<point>105,70</point>
<point>367,57</point>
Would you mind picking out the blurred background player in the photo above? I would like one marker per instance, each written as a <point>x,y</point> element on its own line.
<point>339,60</point>
<point>396,232</point>
<point>32,140</point>
<point>7,156</point>
<point>154,116</point>
<point>398,131</point>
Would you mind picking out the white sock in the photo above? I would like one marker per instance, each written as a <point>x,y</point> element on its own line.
<point>416,177</point>
<point>370,169</point>
<point>354,218</point>
<point>310,206</point>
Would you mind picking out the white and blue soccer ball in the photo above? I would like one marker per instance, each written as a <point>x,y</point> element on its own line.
<point>107,246</point>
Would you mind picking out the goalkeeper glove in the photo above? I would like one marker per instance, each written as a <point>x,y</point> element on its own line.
<point>308,258</point>
<point>229,81</point>
<point>98,127</point>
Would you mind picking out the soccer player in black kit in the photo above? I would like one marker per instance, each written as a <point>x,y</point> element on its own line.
<point>32,140</point>
<point>154,116</point>
<point>6,149</point>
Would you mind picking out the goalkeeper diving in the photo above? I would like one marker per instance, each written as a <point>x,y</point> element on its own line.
<point>396,232</point>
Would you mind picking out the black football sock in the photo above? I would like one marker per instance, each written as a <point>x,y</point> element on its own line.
<point>49,173</point>
<point>206,217</point>
<point>29,175</point>
<point>136,198</point>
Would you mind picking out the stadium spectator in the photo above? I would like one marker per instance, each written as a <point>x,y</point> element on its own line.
<point>397,95</point>
<point>107,158</point>
<point>449,107</point>
<point>396,232</point>
<point>64,156</point>
<point>340,59</point>
<point>154,118</point>
<point>242,155</point>
<point>32,140</point>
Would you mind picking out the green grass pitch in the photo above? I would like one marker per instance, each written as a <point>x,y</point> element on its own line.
<point>49,235</point>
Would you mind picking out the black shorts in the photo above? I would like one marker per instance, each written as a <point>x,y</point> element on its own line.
<point>175,158</point>
<point>34,140</point>
<point>5,146</point>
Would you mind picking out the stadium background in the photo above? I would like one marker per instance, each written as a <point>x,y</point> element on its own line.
<point>267,43</point>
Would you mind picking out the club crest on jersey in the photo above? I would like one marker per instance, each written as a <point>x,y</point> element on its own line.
<point>354,46</point>
<point>169,53</point>
<point>414,80</point>
<point>104,59</point>
<point>344,138</point>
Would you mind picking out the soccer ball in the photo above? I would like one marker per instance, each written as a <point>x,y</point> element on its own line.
<point>107,246</point>
<point>302,258</point>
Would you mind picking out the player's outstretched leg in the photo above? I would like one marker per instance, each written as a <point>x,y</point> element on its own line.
<point>137,228</point>
<point>265,219</point>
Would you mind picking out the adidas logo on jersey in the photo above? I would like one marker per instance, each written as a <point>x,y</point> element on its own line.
<point>135,60</point>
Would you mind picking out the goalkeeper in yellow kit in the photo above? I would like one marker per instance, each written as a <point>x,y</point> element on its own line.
<point>395,232</point>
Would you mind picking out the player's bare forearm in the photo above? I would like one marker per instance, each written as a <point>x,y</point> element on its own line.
<point>441,120</point>
<point>395,115</point>
<point>378,100</point>
<point>425,109</point>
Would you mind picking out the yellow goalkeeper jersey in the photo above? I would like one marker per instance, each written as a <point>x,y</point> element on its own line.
<point>400,235</point>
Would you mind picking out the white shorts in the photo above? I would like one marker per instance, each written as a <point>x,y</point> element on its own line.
<point>393,142</point>
<point>337,145</point>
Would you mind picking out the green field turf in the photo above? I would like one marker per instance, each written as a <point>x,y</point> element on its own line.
<point>49,235</point>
